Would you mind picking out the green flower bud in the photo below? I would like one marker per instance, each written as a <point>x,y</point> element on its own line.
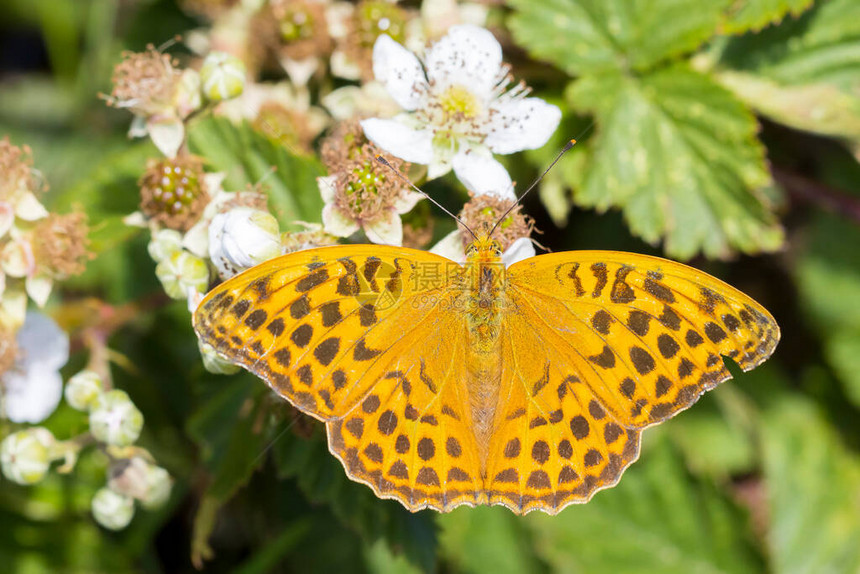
<point>25,455</point>
<point>111,509</point>
<point>164,243</point>
<point>182,271</point>
<point>222,76</point>
<point>213,362</point>
<point>82,389</point>
<point>114,419</point>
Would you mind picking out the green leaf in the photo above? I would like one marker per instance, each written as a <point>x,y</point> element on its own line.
<point>804,73</point>
<point>229,428</point>
<point>595,36</point>
<point>249,157</point>
<point>323,480</point>
<point>828,275</point>
<point>820,46</point>
<point>718,439</point>
<point>680,156</point>
<point>811,484</point>
<point>658,519</point>
<point>756,14</point>
<point>488,539</point>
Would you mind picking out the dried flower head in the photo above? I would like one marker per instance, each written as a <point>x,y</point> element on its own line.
<point>289,127</point>
<point>481,213</point>
<point>370,19</point>
<point>361,192</point>
<point>173,192</point>
<point>60,245</point>
<point>314,236</point>
<point>144,82</point>
<point>16,167</point>
<point>302,29</point>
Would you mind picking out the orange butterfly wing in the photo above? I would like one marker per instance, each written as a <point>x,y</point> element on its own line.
<point>364,338</point>
<point>596,347</point>
<point>593,347</point>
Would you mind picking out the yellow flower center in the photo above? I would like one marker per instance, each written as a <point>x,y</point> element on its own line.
<point>459,100</point>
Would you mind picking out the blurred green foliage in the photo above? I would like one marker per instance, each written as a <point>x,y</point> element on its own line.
<point>700,111</point>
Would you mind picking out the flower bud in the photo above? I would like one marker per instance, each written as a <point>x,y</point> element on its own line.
<point>137,478</point>
<point>213,362</point>
<point>164,243</point>
<point>25,455</point>
<point>181,271</point>
<point>222,76</point>
<point>82,389</point>
<point>241,238</point>
<point>159,486</point>
<point>112,510</point>
<point>114,419</point>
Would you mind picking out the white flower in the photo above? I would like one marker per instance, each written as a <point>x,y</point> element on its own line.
<point>114,419</point>
<point>457,105</point>
<point>26,455</point>
<point>242,238</point>
<point>112,510</point>
<point>33,386</point>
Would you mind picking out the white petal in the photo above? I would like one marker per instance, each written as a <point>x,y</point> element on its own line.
<point>393,136</point>
<point>516,125</point>
<point>135,219</point>
<point>522,248</point>
<point>467,56</point>
<point>344,67</point>
<point>196,239</point>
<point>41,341</point>
<point>167,135</point>
<point>32,395</point>
<point>451,246</point>
<point>29,208</point>
<point>337,223</point>
<point>326,186</point>
<point>399,71</point>
<point>300,71</point>
<point>138,128</point>
<point>407,201</point>
<point>338,19</point>
<point>483,175</point>
<point>13,309</point>
<point>387,230</point>
<point>441,163</point>
<point>39,289</point>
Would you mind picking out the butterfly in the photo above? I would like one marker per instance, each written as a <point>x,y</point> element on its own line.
<point>443,384</point>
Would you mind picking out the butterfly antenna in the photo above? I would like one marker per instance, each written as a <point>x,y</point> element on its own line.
<point>563,151</point>
<point>405,180</point>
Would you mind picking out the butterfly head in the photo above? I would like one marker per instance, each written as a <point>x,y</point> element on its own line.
<point>483,248</point>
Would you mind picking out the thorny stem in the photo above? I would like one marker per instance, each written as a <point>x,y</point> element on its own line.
<point>811,191</point>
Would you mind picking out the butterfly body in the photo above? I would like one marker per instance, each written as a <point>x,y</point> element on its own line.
<point>444,384</point>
